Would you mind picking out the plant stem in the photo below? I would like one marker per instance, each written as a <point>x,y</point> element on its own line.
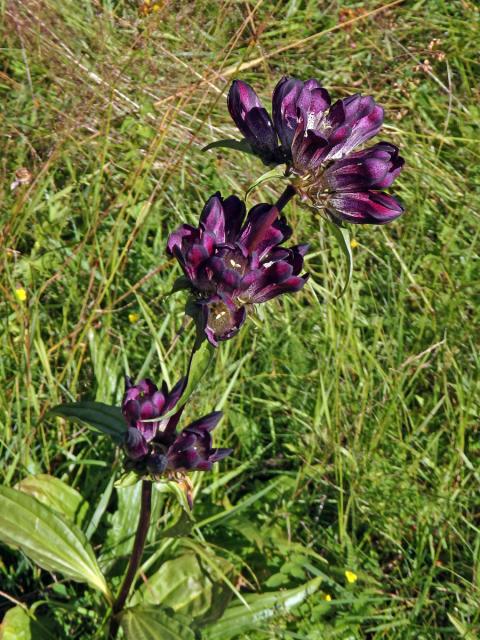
<point>286,196</point>
<point>135,558</point>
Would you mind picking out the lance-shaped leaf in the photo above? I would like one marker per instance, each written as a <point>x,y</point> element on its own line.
<point>153,623</point>
<point>199,362</point>
<point>343,239</point>
<point>238,619</point>
<point>57,495</point>
<point>103,418</point>
<point>46,538</point>
<point>123,524</point>
<point>273,174</point>
<point>230,143</point>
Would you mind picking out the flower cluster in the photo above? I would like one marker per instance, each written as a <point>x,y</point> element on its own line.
<point>154,445</point>
<point>316,139</point>
<point>233,260</point>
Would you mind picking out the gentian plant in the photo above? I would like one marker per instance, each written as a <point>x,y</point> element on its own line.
<point>232,261</point>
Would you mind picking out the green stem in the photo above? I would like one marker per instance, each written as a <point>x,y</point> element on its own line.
<point>135,558</point>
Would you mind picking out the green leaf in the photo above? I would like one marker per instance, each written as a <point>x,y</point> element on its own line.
<point>199,363</point>
<point>180,584</point>
<point>127,479</point>
<point>152,623</point>
<point>202,355</point>
<point>18,624</point>
<point>273,174</point>
<point>119,539</point>
<point>100,509</point>
<point>238,619</point>
<point>188,585</point>
<point>102,417</point>
<point>229,143</point>
<point>57,495</point>
<point>343,237</point>
<point>174,488</point>
<point>46,538</point>
<point>464,632</point>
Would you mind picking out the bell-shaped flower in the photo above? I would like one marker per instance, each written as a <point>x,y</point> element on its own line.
<point>234,260</point>
<point>142,403</point>
<point>254,122</point>
<point>192,449</point>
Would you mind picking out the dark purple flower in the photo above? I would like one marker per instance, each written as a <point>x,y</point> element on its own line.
<point>192,449</point>
<point>141,403</point>
<point>317,140</point>
<point>233,261</point>
<point>253,121</point>
<point>156,446</point>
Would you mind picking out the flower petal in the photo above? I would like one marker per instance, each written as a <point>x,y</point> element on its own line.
<point>234,211</point>
<point>284,109</point>
<point>174,396</point>
<point>136,446</point>
<point>373,168</point>
<point>252,119</point>
<point>207,423</point>
<point>368,207</point>
<point>291,285</point>
<point>361,114</point>
<point>275,274</point>
<point>219,454</point>
<point>259,232</point>
<point>312,103</point>
<point>212,218</point>
<point>309,149</point>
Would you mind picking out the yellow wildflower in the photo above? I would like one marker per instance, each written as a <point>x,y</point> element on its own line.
<point>351,577</point>
<point>327,597</point>
<point>133,318</point>
<point>21,294</point>
<point>353,243</point>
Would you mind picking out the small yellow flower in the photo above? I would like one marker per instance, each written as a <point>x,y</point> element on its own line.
<point>353,243</point>
<point>351,577</point>
<point>327,597</point>
<point>133,318</point>
<point>156,7</point>
<point>21,294</point>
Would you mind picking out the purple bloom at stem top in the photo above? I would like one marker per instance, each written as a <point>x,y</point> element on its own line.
<point>156,445</point>
<point>233,260</point>
<point>316,139</point>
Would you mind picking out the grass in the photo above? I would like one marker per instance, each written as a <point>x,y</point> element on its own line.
<point>358,416</point>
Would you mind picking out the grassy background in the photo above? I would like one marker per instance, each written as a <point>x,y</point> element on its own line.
<point>355,421</point>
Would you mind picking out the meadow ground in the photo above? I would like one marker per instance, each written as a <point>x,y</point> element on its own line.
<point>354,421</point>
